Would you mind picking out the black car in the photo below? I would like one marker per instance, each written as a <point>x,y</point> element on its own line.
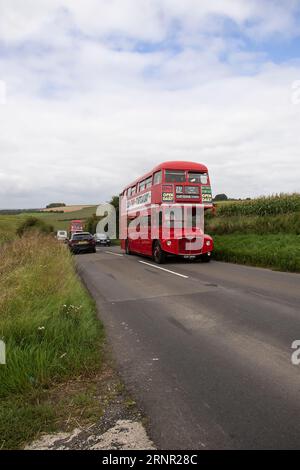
<point>83,242</point>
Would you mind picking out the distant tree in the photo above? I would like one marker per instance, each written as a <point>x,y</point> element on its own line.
<point>220,197</point>
<point>18,211</point>
<point>91,223</point>
<point>115,202</point>
<point>55,204</point>
<point>34,224</point>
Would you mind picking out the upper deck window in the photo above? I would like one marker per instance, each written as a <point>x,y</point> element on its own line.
<point>157,177</point>
<point>147,183</point>
<point>133,190</point>
<point>175,176</point>
<point>198,178</point>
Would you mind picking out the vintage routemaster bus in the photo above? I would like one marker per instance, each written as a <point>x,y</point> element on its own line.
<point>170,188</point>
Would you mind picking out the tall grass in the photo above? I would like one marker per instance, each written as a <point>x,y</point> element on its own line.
<point>47,319</point>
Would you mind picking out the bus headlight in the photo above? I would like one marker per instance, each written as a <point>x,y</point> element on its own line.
<point>169,243</point>
<point>208,243</point>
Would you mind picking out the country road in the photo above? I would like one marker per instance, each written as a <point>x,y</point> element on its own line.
<point>205,349</point>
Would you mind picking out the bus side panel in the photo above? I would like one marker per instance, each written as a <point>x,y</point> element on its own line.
<point>156,194</point>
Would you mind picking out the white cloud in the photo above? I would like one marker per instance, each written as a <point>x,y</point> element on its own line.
<point>2,92</point>
<point>84,117</point>
<point>144,19</point>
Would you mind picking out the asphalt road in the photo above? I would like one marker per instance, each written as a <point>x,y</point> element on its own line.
<point>204,349</point>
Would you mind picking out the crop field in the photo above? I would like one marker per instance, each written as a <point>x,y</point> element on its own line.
<point>262,232</point>
<point>273,205</point>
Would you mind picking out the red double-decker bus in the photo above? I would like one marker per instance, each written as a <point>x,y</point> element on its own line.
<point>174,186</point>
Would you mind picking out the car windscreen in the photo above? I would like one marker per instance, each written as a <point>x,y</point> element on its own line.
<point>82,236</point>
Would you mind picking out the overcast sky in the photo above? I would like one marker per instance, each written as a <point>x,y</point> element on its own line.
<point>100,91</point>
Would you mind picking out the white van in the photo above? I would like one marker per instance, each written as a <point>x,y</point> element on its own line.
<point>62,235</point>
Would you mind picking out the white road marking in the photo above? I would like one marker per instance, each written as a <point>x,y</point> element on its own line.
<point>112,253</point>
<point>164,269</point>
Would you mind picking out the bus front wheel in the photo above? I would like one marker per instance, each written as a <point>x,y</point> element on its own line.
<point>127,249</point>
<point>158,254</point>
<point>205,258</point>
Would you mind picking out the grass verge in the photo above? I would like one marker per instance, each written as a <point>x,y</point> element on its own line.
<point>48,322</point>
<point>276,251</point>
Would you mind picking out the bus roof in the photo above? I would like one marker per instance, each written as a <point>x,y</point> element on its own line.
<point>171,165</point>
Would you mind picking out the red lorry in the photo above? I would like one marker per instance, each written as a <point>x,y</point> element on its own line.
<point>76,226</point>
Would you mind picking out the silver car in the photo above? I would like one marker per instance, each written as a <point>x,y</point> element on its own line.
<point>102,239</point>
